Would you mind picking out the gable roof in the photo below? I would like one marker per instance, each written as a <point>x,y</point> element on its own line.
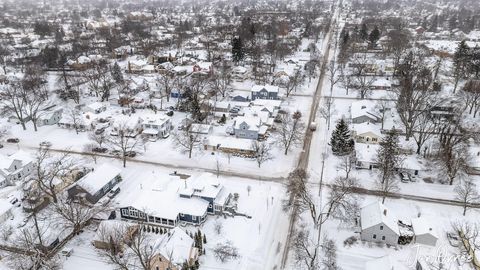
<point>267,87</point>
<point>422,226</point>
<point>376,213</point>
<point>176,246</point>
<point>97,179</point>
<point>363,108</point>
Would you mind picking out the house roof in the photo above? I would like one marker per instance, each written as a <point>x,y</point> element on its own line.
<point>97,179</point>
<point>366,152</point>
<point>376,213</point>
<point>422,226</point>
<point>176,246</point>
<point>229,142</point>
<point>364,108</point>
<point>367,127</point>
<point>253,122</point>
<point>267,87</point>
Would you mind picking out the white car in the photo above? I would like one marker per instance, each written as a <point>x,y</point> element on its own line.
<point>45,144</point>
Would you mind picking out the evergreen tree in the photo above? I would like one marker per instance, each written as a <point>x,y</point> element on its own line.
<point>238,52</point>
<point>374,36</point>
<point>364,32</point>
<point>117,73</point>
<point>222,120</point>
<point>204,239</point>
<point>341,140</point>
<point>388,160</point>
<point>460,62</point>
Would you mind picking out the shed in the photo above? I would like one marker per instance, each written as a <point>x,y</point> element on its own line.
<point>424,232</point>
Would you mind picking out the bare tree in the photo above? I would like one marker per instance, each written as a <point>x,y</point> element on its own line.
<point>362,80</point>
<point>76,119</point>
<point>467,193</point>
<point>329,260</point>
<point>300,197</point>
<point>306,249</point>
<point>452,153</point>
<point>141,247</point>
<point>221,80</point>
<point>116,236</point>
<point>225,252</point>
<point>345,79</point>
<point>383,106</point>
<point>74,214</point>
<point>98,138</point>
<point>13,101</point>
<point>167,83</point>
<point>291,130</point>
<point>424,130</point>
<point>187,140</point>
<point>347,163</point>
<point>262,152</point>
<point>126,141</point>
<point>415,94</point>
<point>470,94</point>
<point>218,227</point>
<point>293,81</point>
<point>49,170</point>
<point>327,110</point>
<point>333,76</point>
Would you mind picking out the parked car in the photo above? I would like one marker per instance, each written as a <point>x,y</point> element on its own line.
<point>15,202</point>
<point>116,152</point>
<point>453,239</point>
<point>13,140</point>
<point>130,154</point>
<point>113,192</point>
<point>166,135</point>
<point>169,113</point>
<point>67,252</point>
<point>45,144</point>
<point>99,149</point>
<point>99,131</point>
<point>404,177</point>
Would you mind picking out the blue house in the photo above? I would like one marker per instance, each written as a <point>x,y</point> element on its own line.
<point>247,127</point>
<point>264,92</point>
<point>170,202</point>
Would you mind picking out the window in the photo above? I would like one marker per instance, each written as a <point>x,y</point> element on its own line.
<point>383,237</point>
<point>182,215</point>
<point>124,212</point>
<point>210,206</point>
<point>381,228</point>
<point>194,218</point>
<point>374,236</point>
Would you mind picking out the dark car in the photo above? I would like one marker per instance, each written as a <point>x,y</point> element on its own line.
<point>99,131</point>
<point>13,140</point>
<point>169,113</point>
<point>130,154</point>
<point>116,152</point>
<point>99,149</point>
<point>113,192</point>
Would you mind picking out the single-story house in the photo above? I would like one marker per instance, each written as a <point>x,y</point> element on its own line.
<point>240,96</point>
<point>424,232</point>
<point>94,185</point>
<point>96,107</point>
<point>367,133</point>
<point>201,128</point>
<point>363,111</point>
<point>365,155</point>
<point>379,224</point>
<point>229,145</point>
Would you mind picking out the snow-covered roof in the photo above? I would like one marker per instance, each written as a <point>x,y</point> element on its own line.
<point>98,178</point>
<point>253,122</point>
<point>377,213</point>
<point>229,142</point>
<point>162,198</point>
<point>422,226</point>
<point>363,108</point>
<point>268,88</point>
<point>367,127</point>
<point>176,245</point>
<point>200,128</point>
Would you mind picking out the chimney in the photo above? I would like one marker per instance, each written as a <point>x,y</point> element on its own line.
<point>385,212</point>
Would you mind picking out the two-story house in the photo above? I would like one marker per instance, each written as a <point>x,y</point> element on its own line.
<point>15,167</point>
<point>94,185</point>
<point>247,127</point>
<point>156,126</point>
<point>379,224</point>
<point>264,92</point>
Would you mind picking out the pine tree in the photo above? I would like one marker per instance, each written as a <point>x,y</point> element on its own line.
<point>238,52</point>
<point>223,120</point>
<point>364,32</point>
<point>341,140</point>
<point>374,36</point>
<point>204,239</point>
<point>460,62</point>
<point>117,73</point>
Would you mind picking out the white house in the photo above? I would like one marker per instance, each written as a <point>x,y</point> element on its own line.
<point>365,155</point>
<point>379,224</point>
<point>50,118</point>
<point>15,167</point>
<point>96,107</point>
<point>247,127</point>
<point>201,128</point>
<point>156,126</point>
<point>363,111</point>
<point>367,133</point>
<point>424,232</point>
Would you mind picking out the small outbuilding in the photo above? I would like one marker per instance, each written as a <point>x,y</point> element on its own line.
<point>424,232</point>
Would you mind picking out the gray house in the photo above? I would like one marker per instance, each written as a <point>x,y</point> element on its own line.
<point>264,92</point>
<point>15,167</point>
<point>378,224</point>
<point>363,111</point>
<point>50,118</point>
<point>93,186</point>
<point>247,127</point>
